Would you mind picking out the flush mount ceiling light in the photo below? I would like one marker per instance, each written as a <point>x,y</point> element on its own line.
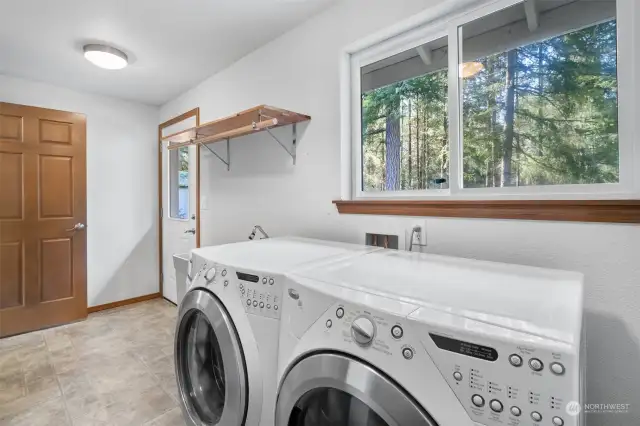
<point>105,56</point>
<point>469,69</point>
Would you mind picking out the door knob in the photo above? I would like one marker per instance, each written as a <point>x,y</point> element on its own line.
<point>190,231</point>
<point>77,227</point>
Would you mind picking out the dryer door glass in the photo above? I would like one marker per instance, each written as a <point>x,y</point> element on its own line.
<point>331,389</point>
<point>205,379</point>
<point>330,407</point>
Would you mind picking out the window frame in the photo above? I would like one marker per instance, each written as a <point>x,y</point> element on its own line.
<point>447,20</point>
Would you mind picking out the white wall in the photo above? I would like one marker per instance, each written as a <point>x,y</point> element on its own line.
<point>300,71</point>
<point>122,186</point>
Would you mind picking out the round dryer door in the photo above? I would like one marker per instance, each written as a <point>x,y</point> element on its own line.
<point>332,389</point>
<point>210,366</point>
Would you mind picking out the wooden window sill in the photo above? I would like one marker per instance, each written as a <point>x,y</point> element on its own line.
<point>609,211</point>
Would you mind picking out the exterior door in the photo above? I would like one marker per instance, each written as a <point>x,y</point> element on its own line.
<point>43,212</point>
<point>332,389</point>
<point>179,206</point>
<point>210,365</point>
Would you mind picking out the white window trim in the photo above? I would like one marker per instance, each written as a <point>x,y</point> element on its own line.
<point>444,20</point>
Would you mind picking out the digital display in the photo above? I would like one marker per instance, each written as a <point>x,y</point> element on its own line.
<point>248,277</point>
<point>464,348</point>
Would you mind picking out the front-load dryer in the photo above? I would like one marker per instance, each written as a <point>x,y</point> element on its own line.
<point>226,343</point>
<point>396,338</point>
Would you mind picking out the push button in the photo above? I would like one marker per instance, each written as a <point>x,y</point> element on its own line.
<point>537,417</point>
<point>496,406</point>
<point>515,360</point>
<point>536,364</point>
<point>516,411</point>
<point>477,400</point>
<point>248,302</point>
<point>224,272</point>
<point>557,368</point>
<point>407,353</point>
<point>271,281</point>
<point>339,312</point>
<point>397,332</point>
<point>458,376</point>
<point>264,280</point>
<point>557,421</point>
<point>255,303</point>
<point>329,323</point>
<point>262,304</point>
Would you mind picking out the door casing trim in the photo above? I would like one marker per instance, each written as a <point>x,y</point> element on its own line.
<point>191,113</point>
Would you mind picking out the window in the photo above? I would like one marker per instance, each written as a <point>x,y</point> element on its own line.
<point>515,98</point>
<point>405,130</point>
<point>179,183</point>
<point>540,100</point>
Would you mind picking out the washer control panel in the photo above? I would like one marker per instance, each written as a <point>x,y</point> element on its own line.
<point>507,383</point>
<point>260,294</point>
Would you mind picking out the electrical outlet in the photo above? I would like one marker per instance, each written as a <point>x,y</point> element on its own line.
<point>416,237</point>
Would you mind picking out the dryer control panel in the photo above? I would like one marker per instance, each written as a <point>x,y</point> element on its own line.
<point>507,382</point>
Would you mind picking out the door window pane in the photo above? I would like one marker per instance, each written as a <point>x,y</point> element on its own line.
<point>540,95</point>
<point>331,407</point>
<point>179,183</point>
<point>202,369</point>
<point>405,125</point>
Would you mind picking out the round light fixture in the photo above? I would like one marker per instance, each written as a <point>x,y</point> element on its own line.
<point>105,56</point>
<point>469,69</point>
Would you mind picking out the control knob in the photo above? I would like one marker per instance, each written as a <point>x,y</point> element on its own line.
<point>210,274</point>
<point>363,331</point>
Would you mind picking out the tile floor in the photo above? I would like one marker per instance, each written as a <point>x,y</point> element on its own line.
<point>115,368</point>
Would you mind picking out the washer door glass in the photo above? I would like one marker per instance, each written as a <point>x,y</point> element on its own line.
<point>333,407</point>
<point>210,365</point>
<point>204,381</point>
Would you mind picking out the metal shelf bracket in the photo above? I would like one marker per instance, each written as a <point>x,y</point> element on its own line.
<point>290,147</point>
<point>228,160</point>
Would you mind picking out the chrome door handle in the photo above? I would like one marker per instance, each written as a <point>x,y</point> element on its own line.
<point>77,227</point>
<point>190,231</point>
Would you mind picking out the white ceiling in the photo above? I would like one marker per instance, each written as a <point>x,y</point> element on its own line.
<point>172,44</point>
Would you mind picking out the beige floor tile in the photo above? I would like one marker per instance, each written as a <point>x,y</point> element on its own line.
<point>170,418</point>
<point>51,412</point>
<point>28,402</point>
<point>142,408</point>
<point>43,384</point>
<point>12,387</point>
<point>27,340</point>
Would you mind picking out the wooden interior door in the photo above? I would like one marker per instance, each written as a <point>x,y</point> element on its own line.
<point>43,212</point>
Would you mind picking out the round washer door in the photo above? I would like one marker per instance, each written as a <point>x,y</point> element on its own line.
<point>332,389</point>
<point>210,365</point>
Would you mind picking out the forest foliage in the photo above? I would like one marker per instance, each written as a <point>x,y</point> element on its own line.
<point>543,114</point>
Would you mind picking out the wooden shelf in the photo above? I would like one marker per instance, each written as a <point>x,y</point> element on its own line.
<point>253,120</point>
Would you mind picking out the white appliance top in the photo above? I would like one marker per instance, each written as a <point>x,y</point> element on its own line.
<point>544,302</point>
<point>279,255</point>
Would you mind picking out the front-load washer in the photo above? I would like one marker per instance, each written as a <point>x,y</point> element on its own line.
<point>226,342</point>
<point>396,338</point>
